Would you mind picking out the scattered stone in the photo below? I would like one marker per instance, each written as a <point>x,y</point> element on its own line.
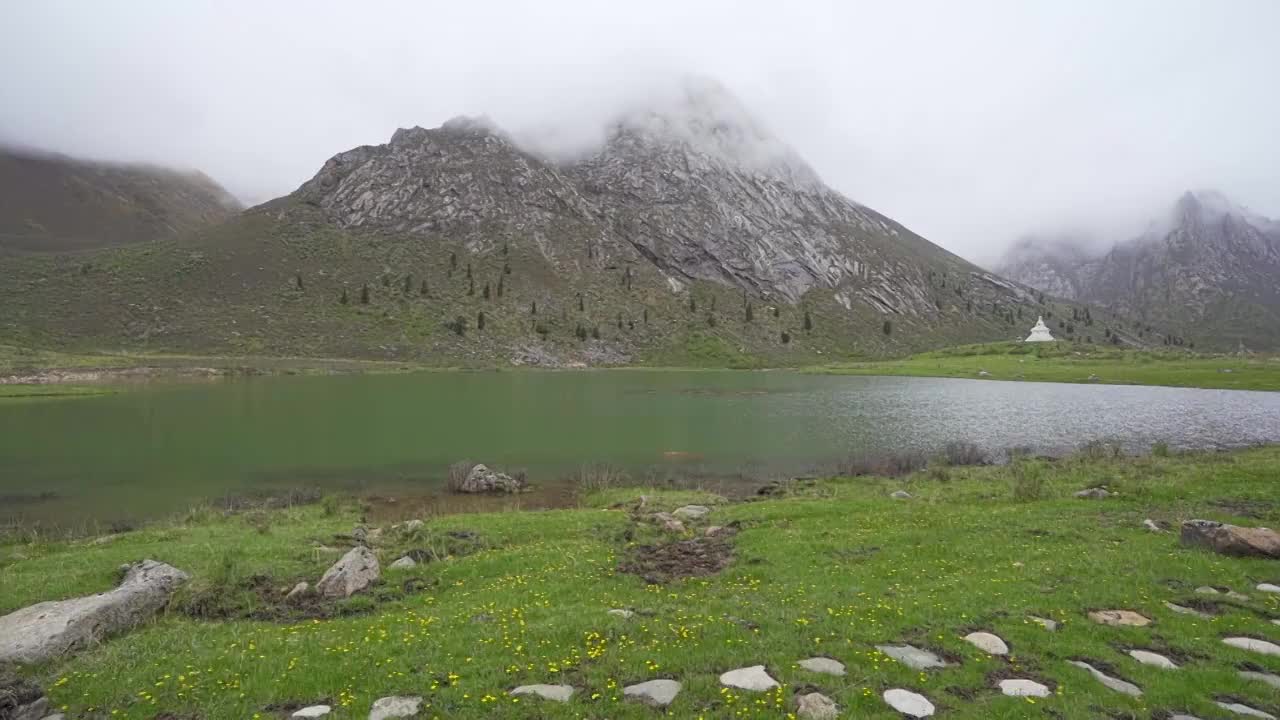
<point>403,563</point>
<point>395,707</point>
<point>1268,678</point>
<point>673,526</point>
<point>1149,658</point>
<point>555,693</point>
<point>1253,645</point>
<point>823,665</point>
<point>1268,588</point>
<point>749,678</point>
<point>908,703</point>
<point>619,612</point>
<point>1119,617</point>
<point>55,716</point>
<point>314,711</point>
<point>1231,539</point>
<point>1242,709</point>
<point>715,530</point>
<point>1187,611</point>
<point>483,480</point>
<point>1094,493</point>
<point>1152,526</point>
<point>412,526</point>
<point>1183,717</point>
<point>691,512</point>
<point>816,706</point>
<point>1093,378</point>
<point>988,643</point>
<point>1045,623</point>
<point>1116,684</point>
<point>657,693</point>
<point>900,495</point>
<point>912,657</point>
<point>1233,595</point>
<point>1206,590</point>
<point>983,373</point>
<point>374,536</point>
<point>52,629</point>
<point>353,572</point>
<point>34,710</point>
<point>1019,687</point>
<point>298,592</point>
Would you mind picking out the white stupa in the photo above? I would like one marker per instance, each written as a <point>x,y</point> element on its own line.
<point>1040,333</point>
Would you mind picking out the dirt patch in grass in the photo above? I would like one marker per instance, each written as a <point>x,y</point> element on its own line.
<point>661,564</point>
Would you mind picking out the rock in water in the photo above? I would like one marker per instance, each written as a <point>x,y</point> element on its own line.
<point>1119,617</point>
<point>1231,539</point>
<point>353,572</point>
<point>395,707</point>
<point>749,678</point>
<point>1120,686</point>
<point>1154,659</point>
<point>823,665</point>
<point>49,630</point>
<point>912,657</point>
<point>816,706</point>
<point>1019,687</point>
<point>658,693</point>
<point>555,693</point>
<point>987,643</point>
<point>483,480</point>
<point>908,703</point>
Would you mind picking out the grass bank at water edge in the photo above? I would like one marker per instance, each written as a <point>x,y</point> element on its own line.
<point>828,568</point>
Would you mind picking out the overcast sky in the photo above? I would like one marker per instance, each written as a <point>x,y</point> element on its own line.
<point>972,122</point>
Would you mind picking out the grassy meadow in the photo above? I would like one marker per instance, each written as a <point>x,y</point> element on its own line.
<point>828,567</point>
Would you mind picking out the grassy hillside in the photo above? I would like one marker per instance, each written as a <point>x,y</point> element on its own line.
<point>1079,363</point>
<point>830,568</point>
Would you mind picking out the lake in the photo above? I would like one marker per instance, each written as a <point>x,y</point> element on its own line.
<point>166,447</point>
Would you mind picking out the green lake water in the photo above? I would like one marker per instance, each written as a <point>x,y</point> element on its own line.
<point>163,448</point>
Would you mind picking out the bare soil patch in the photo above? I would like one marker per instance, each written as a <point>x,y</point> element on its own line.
<point>661,564</point>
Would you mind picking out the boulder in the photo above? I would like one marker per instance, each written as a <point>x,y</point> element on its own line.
<point>1120,686</point>
<point>35,710</point>
<point>353,572</point>
<point>1264,647</point>
<point>753,678</point>
<point>900,495</point>
<point>1268,588</point>
<point>1094,493</point>
<point>1268,678</point>
<point>395,707</point>
<point>816,706</point>
<point>313,711</point>
<point>1242,709</point>
<point>1231,539</point>
<point>908,703</point>
<point>1152,525</point>
<point>691,512</point>
<point>1147,657</point>
<point>657,693</point>
<point>483,480</point>
<point>298,592</point>
<point>621,613</point>
<point>1021,687</point>
<point>403,563</point>
<point>48,630</point>
<point>987,643</point>
<point>912,657</point>
<point>1119,617</point>
<point>823,665</point>
<point>555,693</point>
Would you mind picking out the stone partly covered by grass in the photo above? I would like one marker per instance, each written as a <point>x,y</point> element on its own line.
<point>1079,363</point>
<point>832,569</point>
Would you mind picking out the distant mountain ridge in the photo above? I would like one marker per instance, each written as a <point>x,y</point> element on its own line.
<point>1210,268</point>
<point>54,202</point>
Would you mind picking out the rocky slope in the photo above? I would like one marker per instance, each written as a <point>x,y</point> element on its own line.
<point>689,235</point>
<point>1210,270</point>
<point>53,202</point>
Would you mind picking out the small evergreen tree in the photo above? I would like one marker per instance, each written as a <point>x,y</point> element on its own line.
<point>471,286</point>
<point>619,321</point>
<point>502,286</point>
<point>504,249</point>
<point>786,337</point>
<point>486,291</point>
<point>459,326</point>
<point>808,321</point>
<point>888,328</point>
<point>506,268</point>
<point>408,284</point>
<point>343,299</point>
<point>711,320</point>
<point>693,304</point>
<point>775,311</point>
<point>386,280</point>
<point>364,294</point>
<point>423,290</point>
<point>533,308</point>
<point>453,261</point>
<point>595,332</point>
<point>581,306</point>
<point>298,280</point>
<point>480,320</point>
<point>468,271</point>
<point>646,316</point>
<point>750,314</point>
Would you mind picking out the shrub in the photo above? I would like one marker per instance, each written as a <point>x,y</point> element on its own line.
<point>1027,481</point>
<point>961,454</point>
<point>1160,449</point>
<point>458,473</point>
<point>1101,450</point>
<point>590,477</point>
<point>330,505</point>
<point>885,465</point>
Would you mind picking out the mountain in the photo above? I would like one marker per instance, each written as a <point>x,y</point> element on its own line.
<point>53,202</point>
<point>689,235</point>
<point>1209,270</point>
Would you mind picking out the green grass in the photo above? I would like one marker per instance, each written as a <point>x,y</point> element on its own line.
<point>833,568</point>
<point>1076,363</point>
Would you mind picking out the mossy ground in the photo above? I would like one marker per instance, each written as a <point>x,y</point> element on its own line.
<point>1076,363</point>
<point>831,568</point>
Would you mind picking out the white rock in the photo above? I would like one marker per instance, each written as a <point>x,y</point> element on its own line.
<point>749,678</point>
<point>298,591</point>
<point>823,665</point>
<point>1045,623</point>
<point>53,629</point>
<point>1155,659</point>
<point>1268,588</point>
<point>1237,596</point>
<point>1252,645</point>
<point>352,573</point>
<point>395,707</point>
<point>987,643</point>
<point>691,512</point>
<point>1119,617</point>
<point>1206,590</point>
<point>658,693</point>
<point>1268,678</point>
<point>1023,688</point>
<point>403,563</point>
<point>1094,493</point>
<point>621,613</point>
<point>1187,611</point>
<point>1116,684</point>
<point>557,693</point>
<point>900,495</point>
<point>908,703</point>
<point>816,706</point>
<point>1151,525</point>
<point>912,657</point>
<point>314,711</point>
<point>1239,709</point>
<point>413,526</point>
<point>1183,717</point>
<point>33,710</point>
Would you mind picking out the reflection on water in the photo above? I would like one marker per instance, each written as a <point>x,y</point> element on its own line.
<point>150,452</point>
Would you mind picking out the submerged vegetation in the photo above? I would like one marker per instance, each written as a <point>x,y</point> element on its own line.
<point>820,567</point>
